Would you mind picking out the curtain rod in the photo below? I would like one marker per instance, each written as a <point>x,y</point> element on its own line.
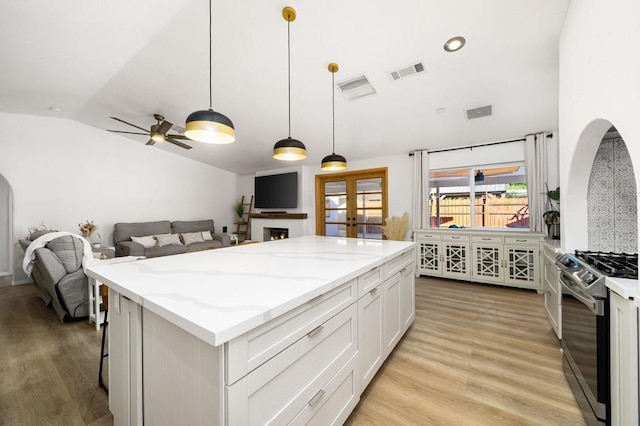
<point>472,146</point>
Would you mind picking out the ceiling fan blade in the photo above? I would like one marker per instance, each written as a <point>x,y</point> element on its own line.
<point>150,142</point>
<point>133,125</point>
<point>182,137</point>
<point>180,144</point>
<point>164,127</point>
<point>129,133</point>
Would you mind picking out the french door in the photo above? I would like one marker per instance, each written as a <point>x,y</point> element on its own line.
<point>351,204</point>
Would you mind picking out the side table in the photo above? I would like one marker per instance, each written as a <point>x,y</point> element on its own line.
<point>95,299</point>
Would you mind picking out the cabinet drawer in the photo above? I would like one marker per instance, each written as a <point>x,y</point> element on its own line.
<point>335,401</point>
<point>455,237</point>
<point>397,264</point>
<point>370,280</point>
<point>427,237</point>
<point>486,239</point>
<point>246,352</point>
<point>278,390</point>
<point>522,240</point>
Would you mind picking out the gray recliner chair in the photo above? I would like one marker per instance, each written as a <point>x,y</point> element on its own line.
<point>58,273</point>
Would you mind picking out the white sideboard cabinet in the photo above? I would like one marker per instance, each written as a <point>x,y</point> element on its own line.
<point>498,257</point>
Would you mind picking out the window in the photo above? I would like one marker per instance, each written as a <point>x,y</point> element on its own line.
<point>479,197</point>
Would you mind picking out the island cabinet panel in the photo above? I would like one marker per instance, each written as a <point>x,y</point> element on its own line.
<point>279,389</point>
<point>391,315</point>
<point>246,352</point>
<point>371,346</point>
<point>333,403</point>
<point>125,360</point>
<point>370,280</point>
<point>407,296</point>
<point>191,378</point>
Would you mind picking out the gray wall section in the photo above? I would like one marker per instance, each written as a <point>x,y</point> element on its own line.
<point>5,226</point>
<point>612,200</point>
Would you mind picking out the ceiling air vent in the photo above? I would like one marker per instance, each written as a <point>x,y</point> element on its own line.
<point>356,87</point>
<point>483,111</point>
<point>178,129</point>
<point>407,71</point>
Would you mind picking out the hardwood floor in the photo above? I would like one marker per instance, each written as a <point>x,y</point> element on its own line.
<point>476,355</point>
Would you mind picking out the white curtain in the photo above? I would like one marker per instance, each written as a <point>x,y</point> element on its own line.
<point>536,164</point>
<point>420,203</point>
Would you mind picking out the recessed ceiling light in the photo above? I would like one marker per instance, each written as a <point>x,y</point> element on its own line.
<point>454,44</point>
<point>54,109</point>
<point>441,110</point>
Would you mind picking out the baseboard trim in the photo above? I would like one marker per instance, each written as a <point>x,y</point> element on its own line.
<point>22,281</point>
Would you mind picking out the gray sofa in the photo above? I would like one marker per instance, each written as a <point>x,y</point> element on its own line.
<point>126,247</point>
<point>57,272</point>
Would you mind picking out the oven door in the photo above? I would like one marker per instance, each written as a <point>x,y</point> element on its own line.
<point>585,346</point>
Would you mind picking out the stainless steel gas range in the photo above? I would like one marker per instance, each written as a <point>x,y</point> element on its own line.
<point>585,326</point>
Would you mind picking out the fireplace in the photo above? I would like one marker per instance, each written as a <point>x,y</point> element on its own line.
<point>272,234</point>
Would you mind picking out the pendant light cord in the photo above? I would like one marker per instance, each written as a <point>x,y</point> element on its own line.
<point>333,101</point>
<point>210,61</point>
<point>289,69</point>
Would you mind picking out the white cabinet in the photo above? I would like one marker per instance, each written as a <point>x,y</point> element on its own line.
<point>552,290</point>
<point>443,255</point>
<point>384,314</point>
<point>624,360</point>
<point>370,335</point>
<point>497,257</point>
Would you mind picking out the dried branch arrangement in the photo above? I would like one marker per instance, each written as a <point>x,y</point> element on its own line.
<point>396,227</point>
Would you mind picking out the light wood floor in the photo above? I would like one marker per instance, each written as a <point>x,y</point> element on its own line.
<point>476,355</point>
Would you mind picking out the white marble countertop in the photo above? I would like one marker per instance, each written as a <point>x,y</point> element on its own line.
<point>629,289</point>
<point>220,294</point>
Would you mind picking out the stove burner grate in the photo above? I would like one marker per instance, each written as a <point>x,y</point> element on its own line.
<point>621,265</point>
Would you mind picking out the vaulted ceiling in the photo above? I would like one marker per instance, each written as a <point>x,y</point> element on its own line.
<point>130,59</point>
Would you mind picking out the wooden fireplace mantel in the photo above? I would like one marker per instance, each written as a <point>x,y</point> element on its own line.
<point>278,216</point>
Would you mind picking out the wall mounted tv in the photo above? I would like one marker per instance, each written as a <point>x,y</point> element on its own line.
<point>276,191</point>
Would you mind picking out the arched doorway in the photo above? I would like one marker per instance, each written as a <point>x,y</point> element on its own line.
<point>6,231</point>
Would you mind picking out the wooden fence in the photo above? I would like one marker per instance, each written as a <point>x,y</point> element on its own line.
<point>490,211</point>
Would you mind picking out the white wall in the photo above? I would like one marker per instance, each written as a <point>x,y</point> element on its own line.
<point>63,172</point>
<point>5,227</point>
<point>599,86</point>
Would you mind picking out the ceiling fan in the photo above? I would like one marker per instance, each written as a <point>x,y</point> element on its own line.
<point>157,133</point>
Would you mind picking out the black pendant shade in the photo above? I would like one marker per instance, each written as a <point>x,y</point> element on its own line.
<point>333,162</point>
<point>207,125</point>
<point>289,149</point>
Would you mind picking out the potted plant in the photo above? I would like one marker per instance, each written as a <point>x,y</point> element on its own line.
<point>239,209</point>
<point>552,215</point>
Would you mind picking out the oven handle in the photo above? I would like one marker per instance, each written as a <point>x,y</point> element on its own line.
<point>591,303</point>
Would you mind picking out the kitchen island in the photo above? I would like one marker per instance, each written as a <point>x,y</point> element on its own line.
<point>277,332</point>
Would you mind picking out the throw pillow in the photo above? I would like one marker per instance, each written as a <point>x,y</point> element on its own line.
<point>192,237</point>
<point>37,234</point>
<point>168,239</point>
<point>206,235</point>
<point>147,241</point>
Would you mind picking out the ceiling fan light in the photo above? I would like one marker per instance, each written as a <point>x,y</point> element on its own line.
<point>209,126</point>
<point>157,137</point>
<point>334,162</point>
<point>289,150</point>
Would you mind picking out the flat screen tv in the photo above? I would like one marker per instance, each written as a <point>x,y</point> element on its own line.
<point>276,191</point>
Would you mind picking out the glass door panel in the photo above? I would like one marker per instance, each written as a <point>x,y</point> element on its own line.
<point>351,204</point>
<point>335,208</point>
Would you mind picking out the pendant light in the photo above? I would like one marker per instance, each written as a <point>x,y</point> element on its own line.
<point>333,162</point>
<point>209,126</point>
<point>289,149</point>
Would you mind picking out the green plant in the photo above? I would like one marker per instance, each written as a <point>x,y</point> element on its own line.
<point>239,209</point>
<point>552,215</point>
